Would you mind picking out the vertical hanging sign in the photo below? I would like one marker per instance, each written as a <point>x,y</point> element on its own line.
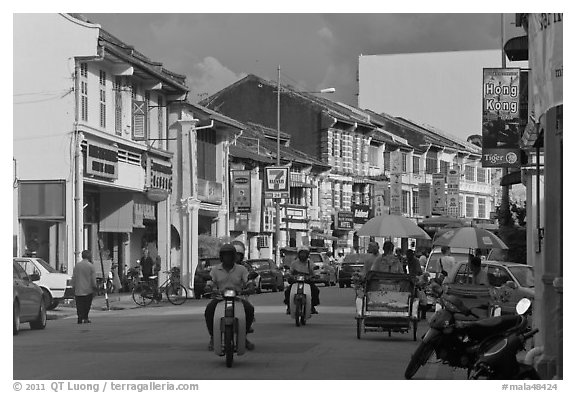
<point>501,117</point>
<point>453,193</point>
<point>438,194</point>
<point>241,191</point>
<point>424,203</point>
<point>396,182</point>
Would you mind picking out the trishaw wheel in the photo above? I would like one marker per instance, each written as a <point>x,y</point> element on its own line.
<point>359,328</point>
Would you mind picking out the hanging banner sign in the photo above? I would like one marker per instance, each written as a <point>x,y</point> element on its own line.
<point>396,182</point>
<point>438,194</point>
<point>424,202</point>
<point>101,160</point>
<point>501,117</point>
<point>453,193</point>
<point>545,39</point>
<point>241,191</point>
<point>379,205</point>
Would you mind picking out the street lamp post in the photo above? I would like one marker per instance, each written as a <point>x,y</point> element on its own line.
<point>278,162</point>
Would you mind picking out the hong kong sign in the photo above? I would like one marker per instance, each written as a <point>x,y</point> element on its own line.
<point>501,117</point>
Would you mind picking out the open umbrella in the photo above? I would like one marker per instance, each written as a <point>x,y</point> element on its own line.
<point>470,237</point>
<point>392,226</point>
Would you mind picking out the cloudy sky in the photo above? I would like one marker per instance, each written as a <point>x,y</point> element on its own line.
<point>314,50</point>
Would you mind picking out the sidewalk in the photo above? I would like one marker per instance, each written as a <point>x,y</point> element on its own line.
<point>117,301</point>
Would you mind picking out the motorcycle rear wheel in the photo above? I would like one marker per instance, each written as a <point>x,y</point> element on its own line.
<point>419,358</point>
<point>229,344</point>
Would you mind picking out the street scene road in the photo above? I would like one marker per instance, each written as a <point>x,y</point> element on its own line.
<point>162,342</point>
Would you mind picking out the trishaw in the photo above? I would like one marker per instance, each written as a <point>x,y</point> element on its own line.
<point>387,302</point>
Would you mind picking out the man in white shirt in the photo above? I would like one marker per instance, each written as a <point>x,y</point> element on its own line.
<point>446,262</point>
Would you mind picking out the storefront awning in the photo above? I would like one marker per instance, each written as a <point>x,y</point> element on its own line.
<point>116,212</point>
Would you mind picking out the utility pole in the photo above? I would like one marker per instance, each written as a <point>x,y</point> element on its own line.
<point>278,164</point>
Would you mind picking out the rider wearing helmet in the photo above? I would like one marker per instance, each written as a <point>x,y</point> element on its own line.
<point>302,266</point>
<point>228,274</point>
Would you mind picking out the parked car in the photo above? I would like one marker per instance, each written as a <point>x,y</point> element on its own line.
<point>516,281</point>
<point>352,263</point>
<point>324,272</point>
<point>257,281</point>
<point>202,275</point>
<point>270,275</point>
<point>56,286</point>
<point>28,302</point>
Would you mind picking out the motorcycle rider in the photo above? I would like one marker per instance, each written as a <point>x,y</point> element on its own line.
<point>302,266</point>
<point>229,274</point>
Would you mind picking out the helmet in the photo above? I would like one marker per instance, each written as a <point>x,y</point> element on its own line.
<point>238,246</point>
<point>227,249</point>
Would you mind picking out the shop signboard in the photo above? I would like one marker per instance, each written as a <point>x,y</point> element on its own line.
<point>424,202</point>
<point>210,191</point>
<point>241,222</point>
<point>396,182</point>
<point>501,117</point>
<point>241,191</point>
<point>345,220</point>
<point>101,160</point>
<point>453,192</point>
<point>361,213</point>
<point>379,205</point>
<point>277,184</point>
<point>438,194</point>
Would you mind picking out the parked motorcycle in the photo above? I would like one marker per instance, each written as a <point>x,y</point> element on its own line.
<point>499,360</point>
<point>300,300</point>
<point>459,343</point>
<point>229,326</point>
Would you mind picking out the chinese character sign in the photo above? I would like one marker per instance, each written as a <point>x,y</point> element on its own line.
<point>424,205</point>
<point>438,194</point>
<point>396,182</point>
<point>501,117</point>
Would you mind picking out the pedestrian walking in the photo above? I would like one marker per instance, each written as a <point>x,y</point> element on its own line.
<point>84,285</point>
<point>147,264</point>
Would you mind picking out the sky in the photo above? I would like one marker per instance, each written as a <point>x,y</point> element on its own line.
<point>314,51</point>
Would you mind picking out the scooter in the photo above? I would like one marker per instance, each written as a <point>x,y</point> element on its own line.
<point>229,326</point>
<point>499,361</point>
<point>300,301</point>
<point>460,343</point>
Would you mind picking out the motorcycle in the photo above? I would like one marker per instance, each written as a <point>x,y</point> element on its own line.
<point>499,361</point>
<point>459,343</point>
<point>229,326</point>
<point>300,300</point>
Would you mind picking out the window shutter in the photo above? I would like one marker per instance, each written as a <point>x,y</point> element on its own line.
<point>139,111</point>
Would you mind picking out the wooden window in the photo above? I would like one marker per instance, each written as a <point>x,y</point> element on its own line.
<point>118,105</point>
<point>139,111</point>
<point>416,165</point>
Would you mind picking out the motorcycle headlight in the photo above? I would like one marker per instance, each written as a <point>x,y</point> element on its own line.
<point>229,293</point>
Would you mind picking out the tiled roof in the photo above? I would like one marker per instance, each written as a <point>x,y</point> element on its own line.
<point>129,54</point>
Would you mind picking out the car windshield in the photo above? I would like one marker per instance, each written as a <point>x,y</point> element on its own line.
<point>498,255</point>
<point>435,257</point>
<point>46,266</point>
<point>524,275</point>
<point>316,258</point>
<point>260,265</point>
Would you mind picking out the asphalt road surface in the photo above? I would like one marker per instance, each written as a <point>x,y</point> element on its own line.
<point>166,342</point>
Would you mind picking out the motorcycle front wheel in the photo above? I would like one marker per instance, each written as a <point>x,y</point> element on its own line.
<point>419,358</point>
<point>229,344</point>
<point>298,312</point>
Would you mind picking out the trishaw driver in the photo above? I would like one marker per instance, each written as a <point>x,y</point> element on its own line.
<point>301,266</point>
<point>228,275</point>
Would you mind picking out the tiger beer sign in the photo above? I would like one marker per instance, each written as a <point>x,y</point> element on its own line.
<point>277,183</point>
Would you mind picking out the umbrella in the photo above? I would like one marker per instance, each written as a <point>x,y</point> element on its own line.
<point>392,226</point>
<point>470,237</point>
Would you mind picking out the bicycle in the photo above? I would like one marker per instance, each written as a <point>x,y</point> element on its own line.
<point>146,291</point>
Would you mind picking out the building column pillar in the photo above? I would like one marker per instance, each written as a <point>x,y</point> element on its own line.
<point>163,230</point>
<point>548,363</point>
<point>222,224</point>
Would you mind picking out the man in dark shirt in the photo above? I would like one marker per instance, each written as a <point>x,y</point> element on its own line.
<point>147,263</point>
<point>414,268</point>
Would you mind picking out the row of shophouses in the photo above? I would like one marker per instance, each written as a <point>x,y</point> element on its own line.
<point>111,156</point>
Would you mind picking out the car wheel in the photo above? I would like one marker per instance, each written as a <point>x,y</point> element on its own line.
<point>40,322</point>
<point>48,299</point>
<point>16,318</point>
